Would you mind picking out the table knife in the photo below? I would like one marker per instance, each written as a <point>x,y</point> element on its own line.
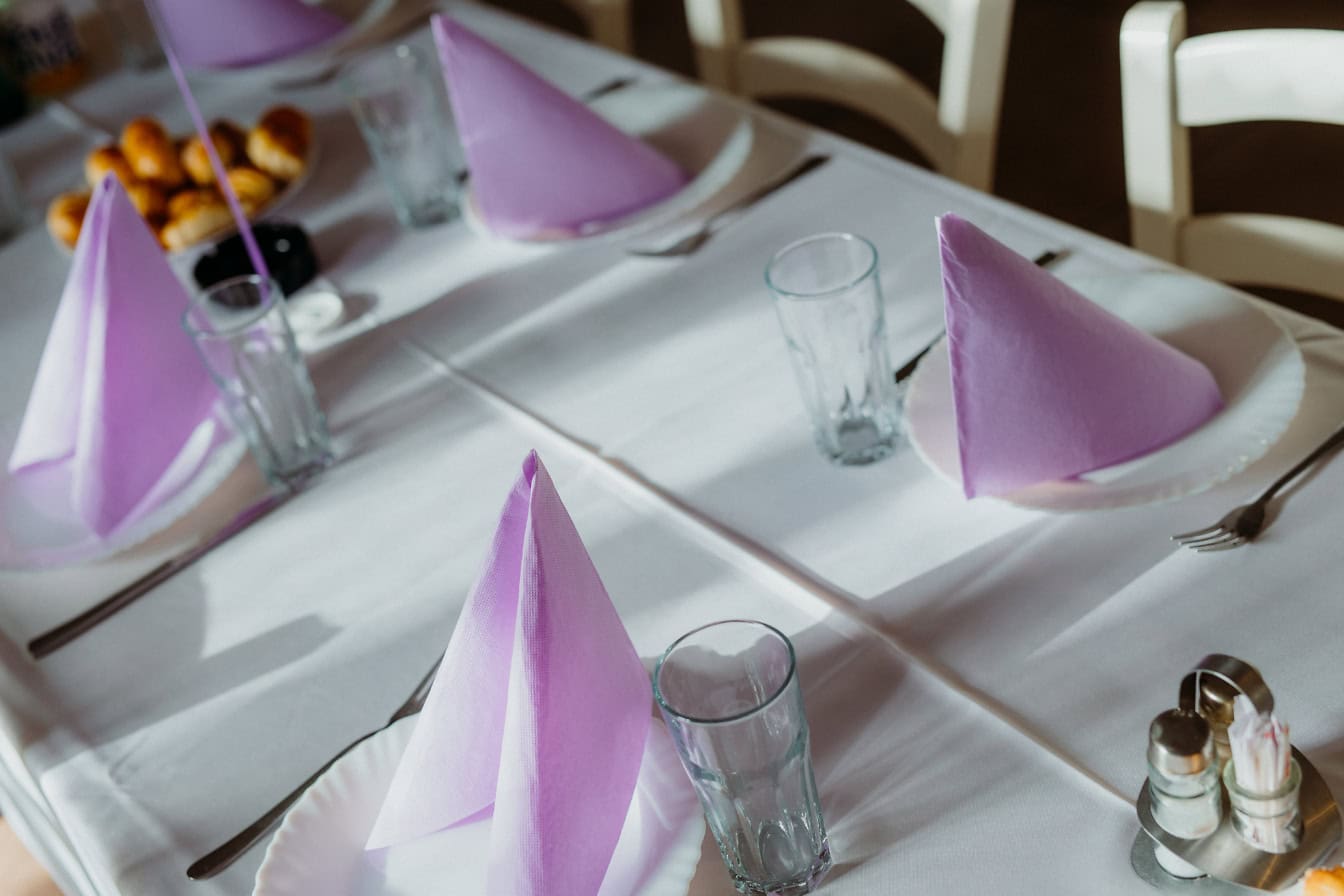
<point>1044,260</point>
<point>68,631</point>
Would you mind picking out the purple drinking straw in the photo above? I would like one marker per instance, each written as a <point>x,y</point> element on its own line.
<point>221,176</point>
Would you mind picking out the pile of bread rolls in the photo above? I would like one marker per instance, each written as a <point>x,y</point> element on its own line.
<point>172,184</point>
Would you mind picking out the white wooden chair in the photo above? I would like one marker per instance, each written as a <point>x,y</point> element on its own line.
<point>608,22</point>
<point>1172,83</point>
<point>955,130</point>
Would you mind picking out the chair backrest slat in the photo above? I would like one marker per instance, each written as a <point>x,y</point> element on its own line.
<point>1288,74</point>
<point>957,130</point>
<point>1171,83</point>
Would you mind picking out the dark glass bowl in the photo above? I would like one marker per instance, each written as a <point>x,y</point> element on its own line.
<point>285,246</point>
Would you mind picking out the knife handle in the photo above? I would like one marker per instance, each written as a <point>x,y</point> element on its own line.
<point>226,854</point>
<point>68,631</point>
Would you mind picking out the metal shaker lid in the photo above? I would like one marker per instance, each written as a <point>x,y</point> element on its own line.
<point>1210,687</point>
<point>1180,742</point>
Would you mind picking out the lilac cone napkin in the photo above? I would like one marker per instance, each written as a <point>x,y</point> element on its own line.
<point>119,390</point>
<point>541,709</point>
<point>540,160</point>
<point>236,33</point>
<point>1046,383</point>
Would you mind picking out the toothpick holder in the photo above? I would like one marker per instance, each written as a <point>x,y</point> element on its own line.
<point>1230,865</point>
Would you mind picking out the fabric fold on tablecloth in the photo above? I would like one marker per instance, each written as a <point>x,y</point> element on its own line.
<point>238,33</point>
<point>541,709</point>
<point>1046,384</point>
<point>120,390</point>
<point>540,161</point>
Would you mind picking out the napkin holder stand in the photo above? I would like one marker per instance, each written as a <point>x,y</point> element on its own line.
<point>1232,866</point>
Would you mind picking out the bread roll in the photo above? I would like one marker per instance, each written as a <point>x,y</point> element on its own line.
<point>1324,882</point>
<point>151,153</point>
<point>182,202</point>
<point>149,199</point>
<point>252,187</point>
<point>229,142</point>
<point>278,145</point>
<point>194,215</point>
<point>65,216</point>
<point>104,159</point>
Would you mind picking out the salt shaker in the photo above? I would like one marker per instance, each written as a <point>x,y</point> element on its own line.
<point>1183,782</point>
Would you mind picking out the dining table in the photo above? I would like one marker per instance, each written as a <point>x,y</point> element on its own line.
<point>979,676</point>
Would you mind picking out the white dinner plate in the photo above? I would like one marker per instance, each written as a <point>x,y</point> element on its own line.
<point>320,846</point>
<point>710,141</point>
<point>364,16</point>
<point>1254,360</point>
<point>39,529</point>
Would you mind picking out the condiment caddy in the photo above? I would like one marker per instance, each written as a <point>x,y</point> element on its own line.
<point>1199,822</point>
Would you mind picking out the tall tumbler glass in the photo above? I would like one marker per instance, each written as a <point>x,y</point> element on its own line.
<point>729,692</point>
<point>400,102</point>
<point>243,336</point>
<point>829,303</point>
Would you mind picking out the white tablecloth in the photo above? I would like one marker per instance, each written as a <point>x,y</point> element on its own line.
<point>979,678</point>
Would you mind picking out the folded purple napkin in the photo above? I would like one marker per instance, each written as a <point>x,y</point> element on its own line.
<point>237,33</point>
<point>1046,383</point>
<point>541,161</point>
<point>541,710</point>
<point>119,390</point>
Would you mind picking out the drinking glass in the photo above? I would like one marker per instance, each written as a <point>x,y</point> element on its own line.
<point>829,303</point>
<point>400,103</point>
<point>729,692</point>
<point>239,328</point>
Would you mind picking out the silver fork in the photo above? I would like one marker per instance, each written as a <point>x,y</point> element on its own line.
<point>1244,523</point>
<point>715,222</point>
<point>222,857</point>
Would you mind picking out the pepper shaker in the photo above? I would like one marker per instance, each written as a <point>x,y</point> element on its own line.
<point>1183,782</point>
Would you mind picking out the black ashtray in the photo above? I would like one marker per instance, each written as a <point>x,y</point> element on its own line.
<point>285,246</point>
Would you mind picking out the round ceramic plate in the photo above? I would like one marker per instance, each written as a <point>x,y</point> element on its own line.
<point>1255,362</point>
<point>320,846</point>
<point>710,141</point>
<point>38,528</point>
<point>364,16</point>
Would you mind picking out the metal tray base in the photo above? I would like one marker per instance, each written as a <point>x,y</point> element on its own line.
<point>1235,868</point>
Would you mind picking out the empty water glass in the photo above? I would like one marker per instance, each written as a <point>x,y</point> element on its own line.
<point>242,334</point>
<point>401,105</point>
<point>829,303</point>
<point>730,695</point>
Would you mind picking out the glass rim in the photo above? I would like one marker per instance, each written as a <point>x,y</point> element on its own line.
<point>1289,788</point>
<point>200,301</point>
<point>378,58</point>
<point>844,235</point>
<point>736,717</point>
